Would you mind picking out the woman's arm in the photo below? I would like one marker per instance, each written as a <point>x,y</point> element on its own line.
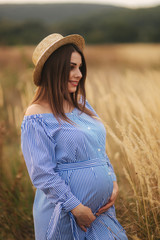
<point>39,153</point>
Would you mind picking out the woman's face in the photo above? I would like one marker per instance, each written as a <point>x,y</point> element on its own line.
<point>75,72</point>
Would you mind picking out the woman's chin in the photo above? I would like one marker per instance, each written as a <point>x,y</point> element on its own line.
<point>72,90</point>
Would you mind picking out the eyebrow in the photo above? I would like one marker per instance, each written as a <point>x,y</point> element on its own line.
<point>75,64</point>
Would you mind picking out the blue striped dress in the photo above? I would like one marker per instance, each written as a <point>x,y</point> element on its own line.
<point>68,165</point>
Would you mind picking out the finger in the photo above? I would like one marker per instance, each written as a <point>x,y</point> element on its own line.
<point>104,209</point>
<point>109,204</point>
<point>97,214</point>
<point>101,210</point>
<point>92,219</point>
<point>88,226</point>
<point>83,228</point>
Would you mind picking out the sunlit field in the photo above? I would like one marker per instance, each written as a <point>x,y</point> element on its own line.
<point>123,85</point>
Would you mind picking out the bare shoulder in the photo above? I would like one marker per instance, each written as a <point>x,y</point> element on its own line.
<point>35,109</point>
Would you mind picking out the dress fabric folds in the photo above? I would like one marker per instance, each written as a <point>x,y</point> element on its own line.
<point>68,165</point>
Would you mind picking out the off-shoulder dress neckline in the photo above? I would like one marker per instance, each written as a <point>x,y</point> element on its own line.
<point>40,115</point>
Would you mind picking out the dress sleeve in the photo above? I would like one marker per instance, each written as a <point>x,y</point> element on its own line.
<point>108,161</point>
<point>91,108</point>
<point>39,153</point>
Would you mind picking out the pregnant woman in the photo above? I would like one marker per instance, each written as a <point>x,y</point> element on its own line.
<point>63,143</point>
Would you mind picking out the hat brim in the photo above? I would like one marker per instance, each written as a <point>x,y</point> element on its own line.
<point>70,39</point>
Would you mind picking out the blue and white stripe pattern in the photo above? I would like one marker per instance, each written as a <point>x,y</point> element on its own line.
<point>88,178</point>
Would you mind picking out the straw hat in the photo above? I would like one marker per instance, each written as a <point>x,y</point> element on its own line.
<point>47,46</point>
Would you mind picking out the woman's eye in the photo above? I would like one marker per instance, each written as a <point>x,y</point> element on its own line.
<point>71,67</point>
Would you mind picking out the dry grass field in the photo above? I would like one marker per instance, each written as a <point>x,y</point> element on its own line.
<point>123,85</point>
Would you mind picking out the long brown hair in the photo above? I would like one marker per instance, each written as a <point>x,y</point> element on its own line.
<point>54,83</point>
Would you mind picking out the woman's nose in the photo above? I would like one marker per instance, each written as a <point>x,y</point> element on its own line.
<point>78,73</point>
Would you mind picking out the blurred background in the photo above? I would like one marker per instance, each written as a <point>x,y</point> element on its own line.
<point>97,21</point>
<point>123,85</point>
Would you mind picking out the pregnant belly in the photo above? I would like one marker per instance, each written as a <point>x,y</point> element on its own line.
<point>92,186</point>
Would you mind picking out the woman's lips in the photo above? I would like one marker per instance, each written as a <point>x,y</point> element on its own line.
<point>74,83</point>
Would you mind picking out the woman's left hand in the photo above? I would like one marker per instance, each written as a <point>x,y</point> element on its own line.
<point>111,200</point>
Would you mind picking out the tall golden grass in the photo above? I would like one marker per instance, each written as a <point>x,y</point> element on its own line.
<point>123,86</point>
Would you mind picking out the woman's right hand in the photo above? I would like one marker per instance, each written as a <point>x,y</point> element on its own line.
<point>84,216</point>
